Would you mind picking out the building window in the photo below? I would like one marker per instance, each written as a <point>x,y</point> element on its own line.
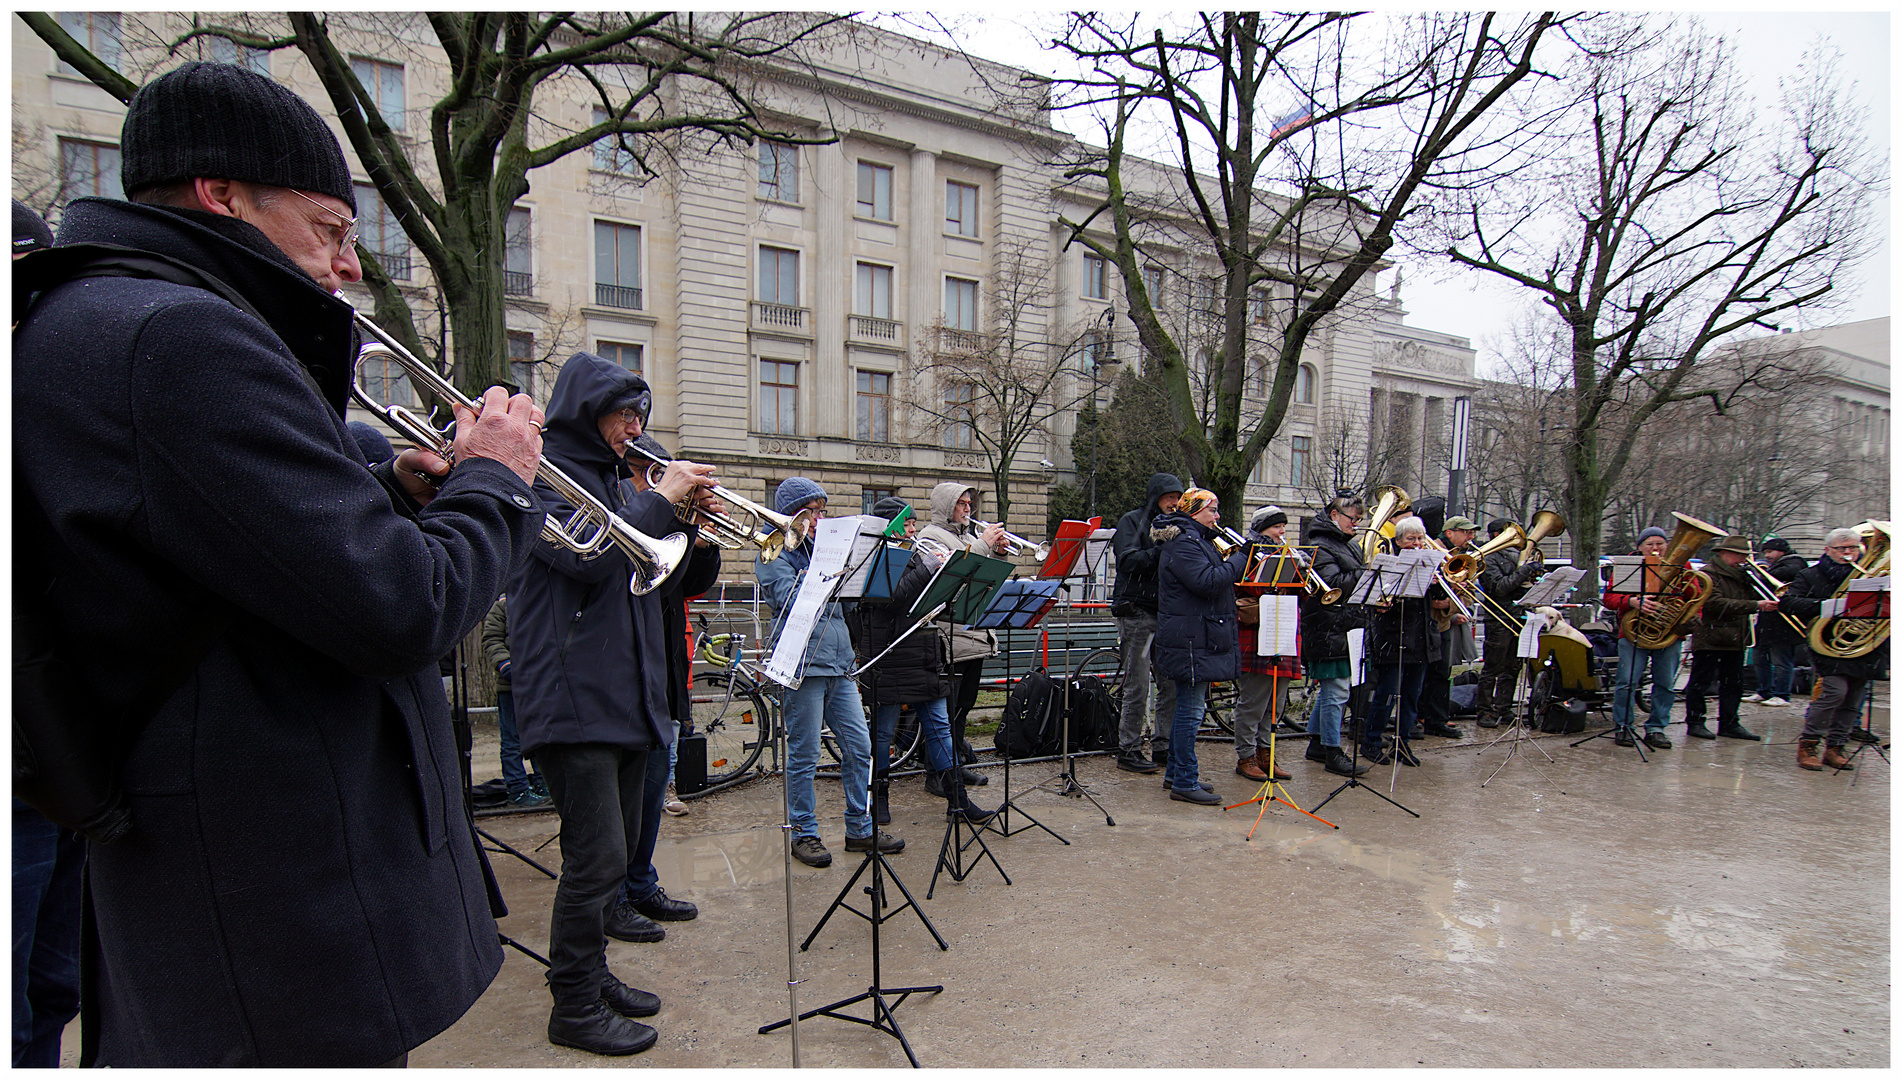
<point>518,255</point>
<point>617,265</point>
<point>87,168</point>
<point>960,303</point>
<point>870,497</point>
<point>256,61</point>
<point>384,81</point>
<point>778,397</point>
<point>380,235</point>
<point>1152,282</point>
<point>960,208</point>
<point>1304,385</point>
<point>1264,376</point>
<point>778,276</point>
<point>960,413</point>
<point>609,154</point>
<point>875,406</point>
<point>779,172</point>
<point>1095,277</point>
<point>1299,447</point>
<point>1259,302</point>
<point>522,360</point>
<point>874,295</point>
<point>875,191</point>
<point>622,353</point>
<point>98,31</point>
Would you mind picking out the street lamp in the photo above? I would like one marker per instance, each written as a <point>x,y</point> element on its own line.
<point>1105,348</point>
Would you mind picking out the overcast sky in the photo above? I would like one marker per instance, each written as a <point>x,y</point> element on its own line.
<point>1471,304</point>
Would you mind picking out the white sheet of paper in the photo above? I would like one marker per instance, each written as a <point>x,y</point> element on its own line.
<point>1831,608</point>
<point>1354,639</point>
<point>831,545</point>
<point>1553,587</point>
<point>1280,625</point>
<point>1421,564</point>
<point>1529,637</point>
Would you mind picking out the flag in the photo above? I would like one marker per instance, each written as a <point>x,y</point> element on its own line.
<point>1294,121</point>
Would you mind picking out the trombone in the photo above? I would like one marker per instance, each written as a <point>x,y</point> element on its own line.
<point>1018,545</point>
<point>724,529</point>
<point>587,532</point>
<point>1768,587</point>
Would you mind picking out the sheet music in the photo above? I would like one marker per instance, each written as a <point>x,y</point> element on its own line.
<point>1553,586</point>
<point>863,556</point>
<point>1379,579</point>
<point>1096,549</point>
<point>832,543</point>
<point>1280,625</point>
<point>1627,574</point>
<point>1420,565</point>
<point>1529,637</point>
<point>1355,639</point>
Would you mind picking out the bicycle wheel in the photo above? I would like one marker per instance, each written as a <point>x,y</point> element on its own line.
<point>737,722</point>
<point>1218,718</point>
<point>904,740</point>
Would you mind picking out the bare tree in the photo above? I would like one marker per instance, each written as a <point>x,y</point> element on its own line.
<point>1364,140</point>
<point>1669,217</point>
<point>656,78</point>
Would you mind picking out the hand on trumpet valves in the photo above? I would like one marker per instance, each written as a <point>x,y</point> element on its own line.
<point>508,429</point>
<point>682,478</point>
<point>994,536</point>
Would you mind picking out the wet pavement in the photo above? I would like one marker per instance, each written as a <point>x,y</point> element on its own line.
<point>1715,906</point>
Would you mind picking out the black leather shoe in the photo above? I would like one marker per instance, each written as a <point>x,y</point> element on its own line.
<point>626,1000</point>
<point>1375,755</point>
<point>626,924</point>
<point>664,908</point>
<point>887,843</point>
<point>1864,735</point>
<point>1159,754</point>
<point>1624,737</point>
<point>1405,754</point>
<point>932,784</point>
<point>1738,731</point>
<point>1697,730</point>
<point>599,1030</point>
<point>1342,765</point>
<point>1316,752</point>
<point>1658,740</point>
<point>1444,731</point>
<point>1135,762</point>
<point>974,778</point>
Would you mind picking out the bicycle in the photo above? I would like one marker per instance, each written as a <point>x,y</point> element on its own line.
<point>1216,719</point>
<point>731,708</point>
<point>905,740</point>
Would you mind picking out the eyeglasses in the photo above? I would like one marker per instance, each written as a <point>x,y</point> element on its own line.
<point>349,237</point>
<point>1845,547</point>
<point>628,416</point>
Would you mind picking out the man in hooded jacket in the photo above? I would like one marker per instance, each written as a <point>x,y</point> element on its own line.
<point>300,886</point>
<point>591,692</point>
<point>1138,557</point>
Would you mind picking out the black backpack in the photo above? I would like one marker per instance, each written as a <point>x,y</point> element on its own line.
<point>1031,713</point>
<point>1095,723</point>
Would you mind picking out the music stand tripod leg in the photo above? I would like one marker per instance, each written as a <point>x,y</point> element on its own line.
<point>1000,822</point>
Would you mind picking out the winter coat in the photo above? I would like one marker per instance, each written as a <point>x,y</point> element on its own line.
<point>1402,634</point>
<point>300,886</point>
<point>1773,628</point>
<point>1504,582</point>
<point>1195,618</point>
<point>495,643</point>
<point>698,572</point>
<point>829,651</point>
<point>1723,624</point>
<point>591,658</point>
<point>914,671</point>
<point>1137,556</point>
<point>1324,627</point>
<point>963,643</point>
<point>1804,600</point>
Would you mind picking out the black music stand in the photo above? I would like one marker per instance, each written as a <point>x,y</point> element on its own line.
<point>1365,587</point>
<point>1016,605</point>
<point>1637,742</point>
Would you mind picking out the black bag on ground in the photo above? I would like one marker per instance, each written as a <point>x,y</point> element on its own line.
<point>1094,722</point>
<point>1563,716</point>
<point>1031,713</point>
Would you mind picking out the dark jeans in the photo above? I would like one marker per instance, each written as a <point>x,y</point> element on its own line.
<point>1436,694</point>
<point>643,880</point>
<point>1391,680</point>
<point>599,791</point>
<point>1725,668</point>
<point>1776,670</point>
<point>968,678</point>
<point>1500,677</point>
<point>46,898</point>
<point>1835,710</point>
<point>514,772</point>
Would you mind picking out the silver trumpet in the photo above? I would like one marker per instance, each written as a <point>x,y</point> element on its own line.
<point>1018,545</point>
<point>587,532</point>
<point>766,529</point>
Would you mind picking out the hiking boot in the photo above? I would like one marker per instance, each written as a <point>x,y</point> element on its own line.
<point>1134,761</point>
<point>1806,755</point>
<point>1658,740</point>
<point>1265,762</point>
<point>1342,765</point>
<point>1834,758</point>
<point>934,784</point>
<point>626,1000</point>
<point>812,851</point>
<point>1200,796</point>
<point>1316,752</point>
<point>1734,730</point>
<point>887,843</point>
<point>598,1029</point>
<point>974,778</point>
<point>1624,737</point>
<point>1248,770</point>
<point>1697,730</point>
<point>624,923</point>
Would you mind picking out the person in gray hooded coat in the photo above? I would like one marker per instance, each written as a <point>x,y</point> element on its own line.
<point>953,505</point>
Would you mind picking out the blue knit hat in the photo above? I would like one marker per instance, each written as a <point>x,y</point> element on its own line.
<point>1651,532</point>
<point>795,492</point>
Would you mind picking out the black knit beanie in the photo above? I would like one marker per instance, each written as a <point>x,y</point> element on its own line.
<point>226,123</point>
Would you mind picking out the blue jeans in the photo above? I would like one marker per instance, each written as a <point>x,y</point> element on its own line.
<point>1330,697</point>
<point>834,701</point>
<point>46,890</point>
<point>1632,662</point>
<point>1184,772</point>
<point>934,727</point>
<point>514,771</point>
<point>1776,670</point>
<point>1404,680</point>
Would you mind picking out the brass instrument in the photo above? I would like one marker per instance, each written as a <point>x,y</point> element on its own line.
<point>1544,523</point>
<point>766,529</point>
<point>1389,503</point>
<point>1457,575</point>
<point>1512,538</point>
<point>1845,637</point>
<point>1227,541</point>
<point>1769,588</point>
<point>587,532</point>
<point>1681,591</point>
<point>1018,545</point>
<point>1316,584</point>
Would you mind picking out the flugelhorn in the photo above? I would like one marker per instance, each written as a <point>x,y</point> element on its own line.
<point>767,530</point>
<point>587,532</point>
<point>1018,545</point>
<point>1845,637</point>
<point>1681,591</point>
<point>1389,503</point>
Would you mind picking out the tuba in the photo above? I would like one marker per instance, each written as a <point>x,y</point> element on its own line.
<point>1681,591</point>
<point>1844,637</point>
<point>1544,523</point>
<point>1389,503</point>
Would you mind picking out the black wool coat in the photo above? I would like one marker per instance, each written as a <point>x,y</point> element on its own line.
<point>1324,627</point>
<point>1805,601</point>
<point>300,886</point>
<point>1196,637</point>
<point>914,671</point>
